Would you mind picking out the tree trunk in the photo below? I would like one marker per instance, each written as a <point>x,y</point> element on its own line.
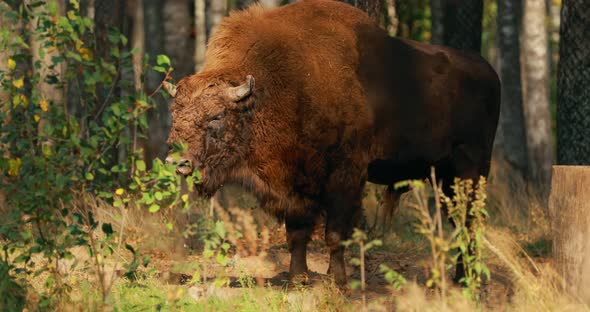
<point>107,14</point>
<point>537,113</point>
<point>179,46</point>
<point>74,86</point>
<point>437,18</point>
<point>154,44</point>
<point>242,4</point>
<point>392,18</point>
<point>569,204</point>
<point>43,54</point>
<point>511,136</point>
<point>573,79</point>
<point>373,9</point>
<point>270,3</point>
<point>216,11</point>
<point>4,52</point>
<point>138,42</point>
<point>463,24</point>
<point>42,65</point>
<point>200,34</point>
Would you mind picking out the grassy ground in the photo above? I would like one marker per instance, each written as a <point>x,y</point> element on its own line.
<point>253,274</point>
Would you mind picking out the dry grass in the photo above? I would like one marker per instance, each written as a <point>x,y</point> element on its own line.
<point>519,282</point>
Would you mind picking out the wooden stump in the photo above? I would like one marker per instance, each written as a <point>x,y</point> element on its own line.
<point>569,205</point>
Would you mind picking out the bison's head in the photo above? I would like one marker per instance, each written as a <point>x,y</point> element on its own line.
<point>212,116</point>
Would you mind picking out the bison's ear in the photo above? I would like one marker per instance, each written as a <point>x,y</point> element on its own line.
<point>242,91</point>
<point>170,88</point>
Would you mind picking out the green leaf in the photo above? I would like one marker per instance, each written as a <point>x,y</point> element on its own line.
<point>207,253</point>
<point>154,208</point>
<point>163,60</point>
<point>140,165</point>
<point>159,69</point>
<point>158,195</point>
<point>89,176</point>
<point>123,39</point>
<point>221,259</point>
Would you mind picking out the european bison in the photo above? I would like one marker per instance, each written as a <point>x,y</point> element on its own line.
<point>304,103</point>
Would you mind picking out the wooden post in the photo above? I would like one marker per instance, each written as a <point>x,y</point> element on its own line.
<point>569,205</point>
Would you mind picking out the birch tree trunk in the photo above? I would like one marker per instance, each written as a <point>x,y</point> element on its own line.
<point>138,42</point>
<point>569,204</point>
<point>540,147</point>
<point>216,11</point>
<point>573,79</point>
<point>200,34</point>
<point>510,142</point>
<point>393,20</point>
<point>270,3</point>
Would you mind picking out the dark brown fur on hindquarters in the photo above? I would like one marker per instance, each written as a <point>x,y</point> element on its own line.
<point>304,103</point>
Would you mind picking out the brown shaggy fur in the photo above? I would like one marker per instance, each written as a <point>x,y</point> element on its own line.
<point>336,103</point>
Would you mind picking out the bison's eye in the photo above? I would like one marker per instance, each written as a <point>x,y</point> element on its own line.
<point>216,117</point>
<point>215,125</point>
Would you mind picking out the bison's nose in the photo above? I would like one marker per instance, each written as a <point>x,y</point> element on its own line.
<point>183,165</point>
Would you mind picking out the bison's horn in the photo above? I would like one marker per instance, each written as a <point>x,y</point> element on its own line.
<point>170,88</point>
<point>242,91</point>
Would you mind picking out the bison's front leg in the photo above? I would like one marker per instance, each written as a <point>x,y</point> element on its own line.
<point>298,235</point>
<point>342,215</point>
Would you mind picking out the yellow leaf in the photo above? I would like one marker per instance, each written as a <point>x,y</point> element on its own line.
<point>86,54</point>
<point>37,118</point>
<point>119,191</point>
<point>11,64</point>
<point>44,105</point>
<point>20,99</point>
<point>18,83</point>
<point>24,100</point>
<point>72,15</point>
<point>14,166</point>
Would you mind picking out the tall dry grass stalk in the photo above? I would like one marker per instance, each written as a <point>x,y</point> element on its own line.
<point>242,232</point>
<point>536,285</point>
<point>515,203</point>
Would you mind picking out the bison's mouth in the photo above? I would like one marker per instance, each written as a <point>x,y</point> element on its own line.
<point>184,170</point>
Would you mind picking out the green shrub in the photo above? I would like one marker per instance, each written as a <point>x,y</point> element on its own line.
<point>55,148</point>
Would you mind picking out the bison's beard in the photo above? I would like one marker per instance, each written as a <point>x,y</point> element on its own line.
<point>203,192</point>
<point>208,185</point>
